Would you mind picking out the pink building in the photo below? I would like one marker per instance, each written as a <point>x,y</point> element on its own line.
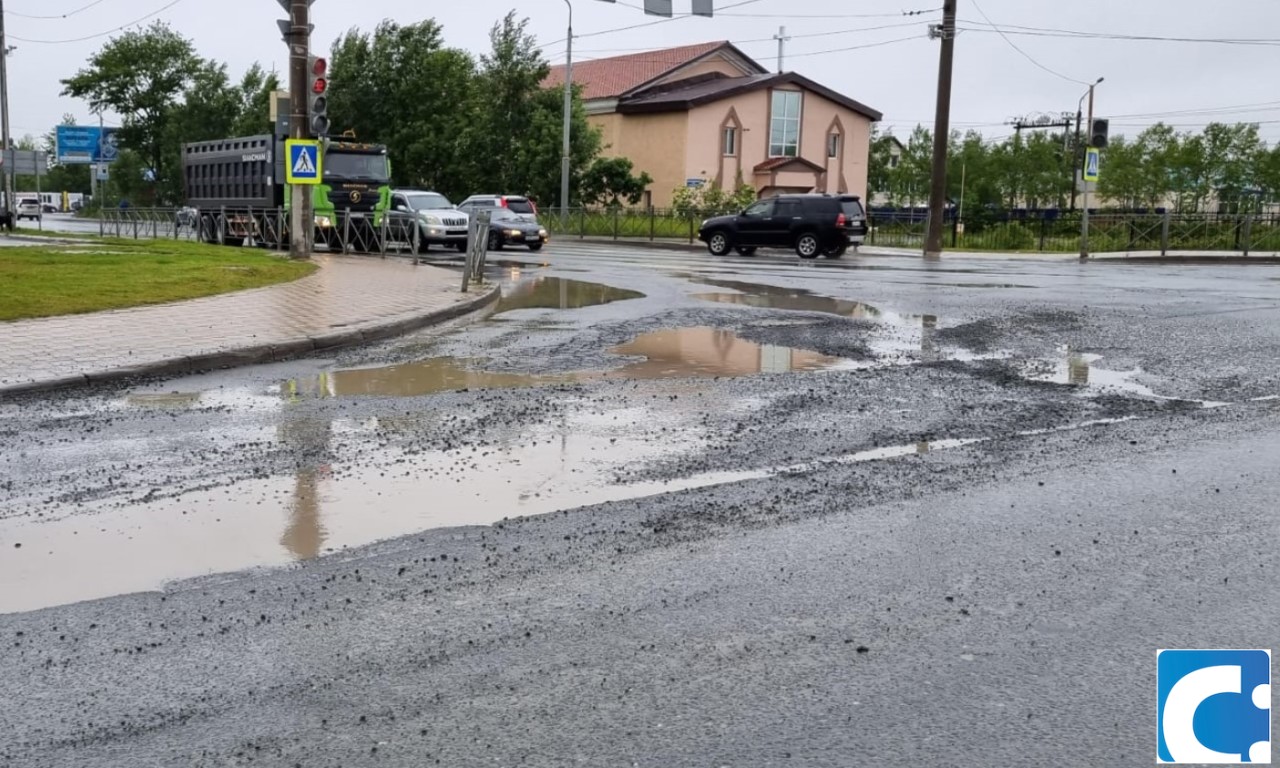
<point>711,112</point>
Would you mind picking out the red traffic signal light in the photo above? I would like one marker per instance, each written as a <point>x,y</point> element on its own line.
<point>319,67</point>
<point>319,85</point>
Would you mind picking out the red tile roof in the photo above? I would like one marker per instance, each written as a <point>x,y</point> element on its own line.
<point>617,76</point>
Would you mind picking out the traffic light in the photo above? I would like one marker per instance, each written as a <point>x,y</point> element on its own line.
<point>318,96</point>
<point>1098,133</point>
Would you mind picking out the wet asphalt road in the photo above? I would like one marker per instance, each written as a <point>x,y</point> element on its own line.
<point>874,512</point>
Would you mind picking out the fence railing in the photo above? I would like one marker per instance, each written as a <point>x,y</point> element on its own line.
<point>346,231</point>
<point>1046,231</point>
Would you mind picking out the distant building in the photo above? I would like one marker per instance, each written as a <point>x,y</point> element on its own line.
<point>711,112</point>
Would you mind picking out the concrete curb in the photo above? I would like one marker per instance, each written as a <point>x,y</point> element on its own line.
<point>265,353</point>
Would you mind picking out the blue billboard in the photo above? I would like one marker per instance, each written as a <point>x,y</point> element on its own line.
<point>86,144</point>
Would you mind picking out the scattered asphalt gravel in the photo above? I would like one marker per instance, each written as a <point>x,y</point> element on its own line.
<point>998,602</point>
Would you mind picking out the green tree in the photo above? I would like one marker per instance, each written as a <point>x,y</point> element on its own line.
<point>402,87</point>
<point>908,183</point>
<point>515,127</point>
<point>140,75</point>
<point>609,181</point>
<point>1122,179</point>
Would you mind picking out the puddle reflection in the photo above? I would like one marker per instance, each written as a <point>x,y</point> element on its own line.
<point>559,293</point>
<point>695,352</point>
<point>764,296</point>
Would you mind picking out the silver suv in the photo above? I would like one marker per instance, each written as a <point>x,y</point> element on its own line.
<point>438,221</point>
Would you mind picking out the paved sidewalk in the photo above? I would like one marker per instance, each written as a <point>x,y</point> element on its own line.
<point>346,301</point>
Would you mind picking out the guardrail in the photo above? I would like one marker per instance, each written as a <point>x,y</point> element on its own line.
<point>1045,231</point>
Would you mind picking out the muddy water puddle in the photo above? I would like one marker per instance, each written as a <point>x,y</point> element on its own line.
<point>673,353</point>
<point>108,548</point>
<point>558,293</point>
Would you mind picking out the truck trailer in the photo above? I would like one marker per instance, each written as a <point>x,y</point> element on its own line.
<point>237,189</point>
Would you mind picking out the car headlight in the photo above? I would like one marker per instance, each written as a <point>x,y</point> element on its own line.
<point>434,220</point>
<point>514,232</point>
<point>323,222</point>
<point>542,232</point>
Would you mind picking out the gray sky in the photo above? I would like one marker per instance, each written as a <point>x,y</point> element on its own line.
<point>993,82</point>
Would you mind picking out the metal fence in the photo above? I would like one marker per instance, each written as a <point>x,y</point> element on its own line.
<point>1028,231</point>
<point>346,232</point>
<point>1052,232</point>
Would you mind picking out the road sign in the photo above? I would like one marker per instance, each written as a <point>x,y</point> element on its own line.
<point>303,161</point>
<point>1092,161</point>
<point>24,162</point>
<point>86,144</point>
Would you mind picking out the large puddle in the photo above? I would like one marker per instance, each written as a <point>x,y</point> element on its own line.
<point>763,296</point>
<point>675,353</point>
<point>558,293</point>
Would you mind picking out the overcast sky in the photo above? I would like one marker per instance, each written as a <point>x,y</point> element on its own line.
<point>993,81</point>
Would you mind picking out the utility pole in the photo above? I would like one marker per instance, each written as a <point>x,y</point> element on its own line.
<point>301,218</point>
<point>1077,160</point>
<point>4,114</point>
<point>941,131</point>
<point>1084,204</point>
<point>782,39</point>
<point>568,124</point>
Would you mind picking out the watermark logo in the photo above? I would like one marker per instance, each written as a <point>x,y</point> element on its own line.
<point>1213,706</point>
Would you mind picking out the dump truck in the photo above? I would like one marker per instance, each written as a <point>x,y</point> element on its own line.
<point>237,192</point>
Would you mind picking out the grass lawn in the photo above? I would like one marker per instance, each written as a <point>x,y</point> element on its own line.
<point>57,279</point>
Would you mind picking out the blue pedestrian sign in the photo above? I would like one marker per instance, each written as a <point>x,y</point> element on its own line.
<point>303,161</point>
<point>1092,160</point>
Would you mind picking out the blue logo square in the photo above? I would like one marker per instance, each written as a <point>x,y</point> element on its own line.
<point>1213,706</point>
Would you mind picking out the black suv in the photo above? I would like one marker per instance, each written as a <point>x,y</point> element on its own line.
<point>814,225</point>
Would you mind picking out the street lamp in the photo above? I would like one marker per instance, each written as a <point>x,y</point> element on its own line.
<point>1084,213</point>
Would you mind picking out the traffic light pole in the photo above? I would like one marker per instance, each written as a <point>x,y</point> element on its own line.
<point>1084,195</point>
<point>301,217</point>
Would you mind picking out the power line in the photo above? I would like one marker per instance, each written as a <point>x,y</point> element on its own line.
<point>789,55</point>
<point>156,12</point>
<point>1025,55</point>
<point>678,17</point>
<point>767,39</point>
<point>55,16</point>
<point>1015,29</point>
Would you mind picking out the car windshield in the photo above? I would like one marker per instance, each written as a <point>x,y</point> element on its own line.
<point>506,214</point>
<point>428,202</point>
<point>342,165</point>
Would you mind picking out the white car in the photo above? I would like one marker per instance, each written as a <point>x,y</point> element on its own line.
<point>29,208</point>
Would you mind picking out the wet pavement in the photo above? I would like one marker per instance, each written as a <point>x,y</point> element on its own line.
<point>660,509</point>
<point>345,299</point>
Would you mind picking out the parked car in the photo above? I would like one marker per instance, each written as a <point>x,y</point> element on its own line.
<point>29,208</point>
<point>814,225</point>
<point>515,203</point>
<point>438,221</point>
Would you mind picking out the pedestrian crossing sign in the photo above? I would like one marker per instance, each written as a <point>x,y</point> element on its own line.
<point>1091,162</point>
<point>303,161</point>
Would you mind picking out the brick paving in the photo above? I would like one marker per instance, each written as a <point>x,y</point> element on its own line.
<point>346,300</point>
